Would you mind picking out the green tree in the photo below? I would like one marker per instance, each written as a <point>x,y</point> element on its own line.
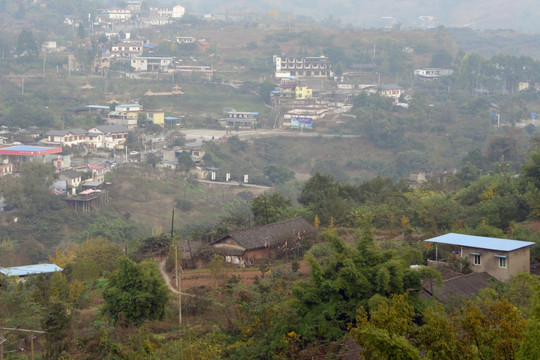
<point>271,208</point>
<point>344,279</point>
<point>81,32</point>
<point>135,292</point>
<point>529,348</point>
<point>30,191</point>
<point>438,337</point>
<point>99,251</point>
<point>321,196</point>
<point>468,172</point>
<point>152,159</point>
<point>383,335</point>
<point>491,327</point>
<point>264,91</point>
<point>530,171</point>
<point>185,163</point>
<point>278,173</point>
<point>26,49</point>
<point>57,321</point>
<point>441,59</point>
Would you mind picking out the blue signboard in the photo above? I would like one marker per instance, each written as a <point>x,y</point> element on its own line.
<point>301,122</point>
<point>533,115</point>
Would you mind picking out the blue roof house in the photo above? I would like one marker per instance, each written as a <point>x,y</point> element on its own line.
<point>500,258</point>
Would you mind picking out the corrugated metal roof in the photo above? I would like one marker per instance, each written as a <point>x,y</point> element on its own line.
<point>480,242</point>
<point>25,150</point>
<point>30,269</point>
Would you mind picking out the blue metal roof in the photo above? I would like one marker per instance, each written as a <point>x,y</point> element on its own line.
<point>480,242</point>
<point>98,107</point>
<point>26,148</point>
<point>30,270</point>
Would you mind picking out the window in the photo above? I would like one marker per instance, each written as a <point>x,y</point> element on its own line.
<point>476,259</point>
<point>502,262</point>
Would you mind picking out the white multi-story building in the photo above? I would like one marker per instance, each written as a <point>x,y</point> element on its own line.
<point>302,66</point>
<point>151,63</point>
<point>176,12</point>
<point>127,49</point>
<point>134,5</point>
<point>185,39</point>
<point>118,14</point>
<point>432,73</point>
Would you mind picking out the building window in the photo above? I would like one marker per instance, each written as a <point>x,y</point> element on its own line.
<point>502,262</point>
<point>477,259</point>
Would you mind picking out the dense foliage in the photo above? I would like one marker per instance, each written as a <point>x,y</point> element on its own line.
<point>135,293</point>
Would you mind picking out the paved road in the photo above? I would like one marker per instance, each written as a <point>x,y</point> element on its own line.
<point>233,183</point>
<point>212,134</point>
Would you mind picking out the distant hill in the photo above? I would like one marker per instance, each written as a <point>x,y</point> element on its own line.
<point>478,14</point>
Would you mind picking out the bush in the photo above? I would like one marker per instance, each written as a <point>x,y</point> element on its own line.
<point>185,205</point>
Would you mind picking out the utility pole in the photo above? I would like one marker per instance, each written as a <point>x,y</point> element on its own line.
<point>172,225</point>
<point>178,281</point>
<point>2,341</point>
<point>32,337</point>
<point>178,287</point>
<point>44,60</point>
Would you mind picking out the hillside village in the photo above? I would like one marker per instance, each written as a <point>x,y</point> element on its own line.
<point>263,186</point>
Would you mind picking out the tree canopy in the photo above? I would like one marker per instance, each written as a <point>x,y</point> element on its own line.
<point>135,293</point>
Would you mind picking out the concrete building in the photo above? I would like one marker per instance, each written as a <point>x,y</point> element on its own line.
<point>109,136</point>
<point>151,63</point>
<point>118,14</point>
<point>156,117</point>
<point>287,66</point>
<point>500,258</point>
<point>127,49</point>
<point>432,73</point>
<point>185,39</point>
<point>125,114</point>
<point>67,137</point>
<point>293,88</point>
<point>175,12</point>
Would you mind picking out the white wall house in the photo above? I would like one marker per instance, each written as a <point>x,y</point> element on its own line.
<point>109,136</point>
<point>67,137</point>
<point>118,14</point>
<point>175,12</point>
<point>156,63</point>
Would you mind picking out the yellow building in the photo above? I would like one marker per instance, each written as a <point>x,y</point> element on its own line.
<point>292,88</point>
<point>523,85</point>
<point>156,117</point>
<point>303,92</point>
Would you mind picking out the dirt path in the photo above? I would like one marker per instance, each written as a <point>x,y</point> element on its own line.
<point>163,272</point>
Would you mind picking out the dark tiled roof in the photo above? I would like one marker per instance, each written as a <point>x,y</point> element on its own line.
<point>76,131</point>
<point>464,286</point>
<point>273,234</point>
<point>70,174</point>
<point>447,273</point>
<point>390,87</point>
<point>112,129</point>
